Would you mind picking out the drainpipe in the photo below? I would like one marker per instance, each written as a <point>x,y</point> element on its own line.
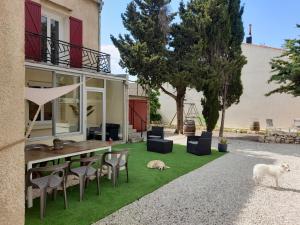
<point>100,5</point>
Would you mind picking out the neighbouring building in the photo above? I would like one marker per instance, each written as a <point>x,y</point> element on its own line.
<point>254,105</point>
<point>62,47</point>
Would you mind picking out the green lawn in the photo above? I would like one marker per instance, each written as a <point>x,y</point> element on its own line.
<point>141,182</point>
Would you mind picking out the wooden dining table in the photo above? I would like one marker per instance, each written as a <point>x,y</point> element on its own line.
<point>37,156</point>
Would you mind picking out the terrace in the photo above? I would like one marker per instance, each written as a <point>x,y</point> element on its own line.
<point>141,182</point>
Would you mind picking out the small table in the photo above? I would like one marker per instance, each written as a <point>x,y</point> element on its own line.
<point>159,145</point>
<point>78,148</point>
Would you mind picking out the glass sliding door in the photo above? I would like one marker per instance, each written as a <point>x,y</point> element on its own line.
<point>94,114</point>
<point>68,107</point>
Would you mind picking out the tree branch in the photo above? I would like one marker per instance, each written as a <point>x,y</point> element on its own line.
<point>167,92</point>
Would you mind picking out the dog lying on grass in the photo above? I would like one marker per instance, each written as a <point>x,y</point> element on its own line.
<point>157,164</point>
<point>275,171</point>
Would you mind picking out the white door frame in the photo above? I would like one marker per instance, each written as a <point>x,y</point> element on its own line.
<point>97,90</point>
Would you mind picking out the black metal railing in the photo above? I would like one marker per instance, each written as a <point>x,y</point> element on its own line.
<point>57,52</point>
<point>142,122</point>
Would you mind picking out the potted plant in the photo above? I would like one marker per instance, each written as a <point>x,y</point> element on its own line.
<point>222,146</point>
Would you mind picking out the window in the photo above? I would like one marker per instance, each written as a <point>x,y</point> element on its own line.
<point>51,34</point>
<point>62,115</point>
<point>93,82</point>
<point>44,39</point>
<point>43,126</point>
<point>46,110</point>
<point>54,41</point>
<point>68,107</point>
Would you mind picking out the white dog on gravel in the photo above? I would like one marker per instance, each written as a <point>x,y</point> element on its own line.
<point>275,171</point>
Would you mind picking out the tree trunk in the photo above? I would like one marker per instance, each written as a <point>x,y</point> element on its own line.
<point>179,98</point>
<point>224,99</point>
<point>179,109</point>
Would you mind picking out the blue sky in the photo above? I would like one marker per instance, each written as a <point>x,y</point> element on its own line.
<point>272,21</point>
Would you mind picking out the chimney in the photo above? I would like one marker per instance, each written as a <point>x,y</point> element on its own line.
<point>249,38</point>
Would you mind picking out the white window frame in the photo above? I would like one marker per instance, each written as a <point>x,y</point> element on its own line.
<point>61,23</point>
<point>97,90</point>
<point>55,106</point>
<point>42,112</point>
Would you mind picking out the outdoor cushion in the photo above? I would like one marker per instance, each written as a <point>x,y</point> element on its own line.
<point>114,161</point>
<point>193,142</point>
<point>81,171</point>
<point>154,136</point>
<point>42,182</point>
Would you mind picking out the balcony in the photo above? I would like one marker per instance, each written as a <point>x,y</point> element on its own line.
<point>56,52</point>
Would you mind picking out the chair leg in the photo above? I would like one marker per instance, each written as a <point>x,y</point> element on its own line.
<point>81,185</point>
<point>43,196</point>
<point>98,183</point>
<point>65,195</point>
<point>114,175</point>
<point>54,194</point>
<point>127,173</point>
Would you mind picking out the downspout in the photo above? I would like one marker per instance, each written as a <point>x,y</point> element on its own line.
<point>100,5</point>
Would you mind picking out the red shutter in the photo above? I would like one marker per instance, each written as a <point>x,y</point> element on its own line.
<point>32,27</point>
<point>76,42</point>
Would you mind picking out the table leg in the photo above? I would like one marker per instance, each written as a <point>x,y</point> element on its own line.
<point>29,190</point>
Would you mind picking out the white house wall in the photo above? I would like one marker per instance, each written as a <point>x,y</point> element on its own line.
<point>115,103</point>
<point>254,105</point>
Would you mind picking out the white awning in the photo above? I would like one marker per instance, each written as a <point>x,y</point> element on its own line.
<point>41,96</point>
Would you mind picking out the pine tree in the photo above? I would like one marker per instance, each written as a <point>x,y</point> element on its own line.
<point>287,69</point>
<point>156,51</point>
<point>231,85</point>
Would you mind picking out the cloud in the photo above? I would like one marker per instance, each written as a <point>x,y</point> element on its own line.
<point>114,58</point>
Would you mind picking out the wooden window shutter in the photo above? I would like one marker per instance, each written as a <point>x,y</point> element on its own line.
<point>32,30</point>
<point>76,42</point>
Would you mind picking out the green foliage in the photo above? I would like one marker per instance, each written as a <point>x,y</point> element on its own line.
<point>287,69</point>
<point>201,119</point>
<point>217,30</point>
<point>154,105</point>
<point>223,141</point>
<point>235,58</point>
<point>211,106</point>
<point>141,182</point>
<point>143,52</point>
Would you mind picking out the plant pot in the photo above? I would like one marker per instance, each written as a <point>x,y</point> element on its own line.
<point>222,147</point>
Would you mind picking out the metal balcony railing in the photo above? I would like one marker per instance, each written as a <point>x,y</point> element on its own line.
<point>46,49</point>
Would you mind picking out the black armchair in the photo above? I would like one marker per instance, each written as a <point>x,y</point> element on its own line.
<point>200,145</point>
<point>155,133</point>
<point>112,131</point>
<point>92,132</point>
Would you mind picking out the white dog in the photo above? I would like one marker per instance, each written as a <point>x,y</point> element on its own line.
<point>157,164</point>
<point>275,171</point>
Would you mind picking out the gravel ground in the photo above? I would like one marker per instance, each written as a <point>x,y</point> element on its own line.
<point>222,192</point>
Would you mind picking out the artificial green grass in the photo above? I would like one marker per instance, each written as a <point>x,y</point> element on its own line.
<point>141,182</point>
